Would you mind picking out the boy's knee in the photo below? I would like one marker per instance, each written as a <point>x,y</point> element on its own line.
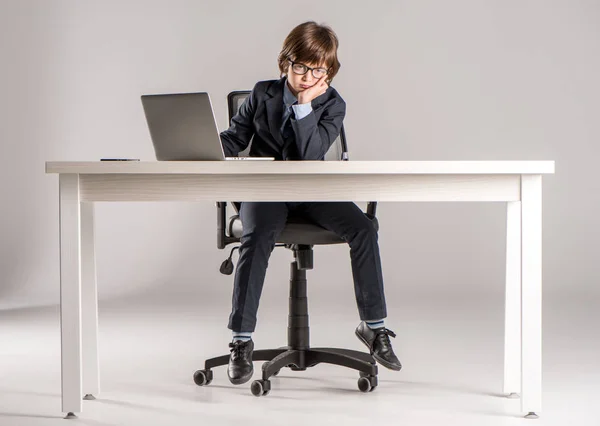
<point>259,236</point>
<point>366,231</point>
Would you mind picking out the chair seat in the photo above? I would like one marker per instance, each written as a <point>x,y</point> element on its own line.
<point>298,230</point>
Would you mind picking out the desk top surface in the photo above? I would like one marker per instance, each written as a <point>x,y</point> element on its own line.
<point>300,167</point>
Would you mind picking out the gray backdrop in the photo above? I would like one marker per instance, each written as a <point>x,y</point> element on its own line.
<point>423,80</point>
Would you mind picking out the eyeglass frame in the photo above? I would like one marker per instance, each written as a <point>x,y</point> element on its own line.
<point>308,69</point>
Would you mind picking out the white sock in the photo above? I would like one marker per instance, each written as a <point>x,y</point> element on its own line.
<point>373,324</point>
<point>242,336</point>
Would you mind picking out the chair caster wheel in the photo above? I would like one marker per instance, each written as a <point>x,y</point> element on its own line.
<point>260,387</point>
<point>367,383</point>
<point>203,377</point>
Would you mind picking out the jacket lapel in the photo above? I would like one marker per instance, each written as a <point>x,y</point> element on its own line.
<point>319,100</point>
<point>274,107</point>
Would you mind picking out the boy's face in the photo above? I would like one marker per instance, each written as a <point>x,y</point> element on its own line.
<point>298,82</point>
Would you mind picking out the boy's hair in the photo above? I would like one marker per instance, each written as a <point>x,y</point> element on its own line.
<point>311,43</point>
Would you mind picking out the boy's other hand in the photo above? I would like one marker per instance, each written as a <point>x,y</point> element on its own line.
<point>314,91</point>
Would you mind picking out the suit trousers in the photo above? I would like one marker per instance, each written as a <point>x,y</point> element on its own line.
<point>262,224</point>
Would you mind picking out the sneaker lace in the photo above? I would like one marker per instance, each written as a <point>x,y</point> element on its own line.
<point>383,336</point>
<point>238,349</point>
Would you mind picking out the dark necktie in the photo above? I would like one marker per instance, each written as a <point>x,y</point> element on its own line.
<point>287,133</point>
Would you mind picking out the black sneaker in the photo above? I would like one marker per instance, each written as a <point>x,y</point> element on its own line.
<point>378,342</point>
<point>240,368</point>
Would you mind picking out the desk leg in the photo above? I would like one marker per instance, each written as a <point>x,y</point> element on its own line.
<point>512,307</point>
<point>89,300</point>
<point>70,293</point>
<point>531,294</point>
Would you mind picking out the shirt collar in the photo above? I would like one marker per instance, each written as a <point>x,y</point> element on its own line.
<point>288,97</point>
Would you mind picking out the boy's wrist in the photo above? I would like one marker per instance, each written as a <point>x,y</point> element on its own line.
<point>302,100</point>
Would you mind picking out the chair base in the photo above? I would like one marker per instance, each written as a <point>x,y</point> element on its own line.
<point>301,359</point>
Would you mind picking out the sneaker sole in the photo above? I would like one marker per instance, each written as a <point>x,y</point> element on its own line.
<point>241,380</point>
<point>380,360</point>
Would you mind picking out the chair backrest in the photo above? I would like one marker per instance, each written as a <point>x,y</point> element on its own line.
<point>337,151</point>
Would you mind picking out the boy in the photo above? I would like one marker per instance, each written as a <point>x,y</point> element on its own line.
<point>298,117</point>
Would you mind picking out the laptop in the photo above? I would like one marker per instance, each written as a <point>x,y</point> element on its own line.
<point>183,128</point>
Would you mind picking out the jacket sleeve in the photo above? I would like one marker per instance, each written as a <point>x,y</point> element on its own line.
<point>240,132</point>
<point>313,138</point>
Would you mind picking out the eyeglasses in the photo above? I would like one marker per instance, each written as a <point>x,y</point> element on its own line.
<point>302,69</point>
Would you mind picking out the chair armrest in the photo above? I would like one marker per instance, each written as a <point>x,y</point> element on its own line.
<point>222,238</point>
<point>372,208</point>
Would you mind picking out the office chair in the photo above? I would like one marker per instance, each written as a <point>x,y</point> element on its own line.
<point>299,235</point>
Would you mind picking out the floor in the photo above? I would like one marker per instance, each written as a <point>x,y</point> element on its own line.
<point>452,370</point>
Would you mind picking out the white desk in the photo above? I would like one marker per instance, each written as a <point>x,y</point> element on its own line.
<point>518,183</point>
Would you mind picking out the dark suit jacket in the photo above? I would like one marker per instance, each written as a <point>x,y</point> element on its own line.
<point>260,116</point>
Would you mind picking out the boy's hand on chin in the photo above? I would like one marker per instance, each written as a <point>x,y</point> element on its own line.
<point>307,95</point>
